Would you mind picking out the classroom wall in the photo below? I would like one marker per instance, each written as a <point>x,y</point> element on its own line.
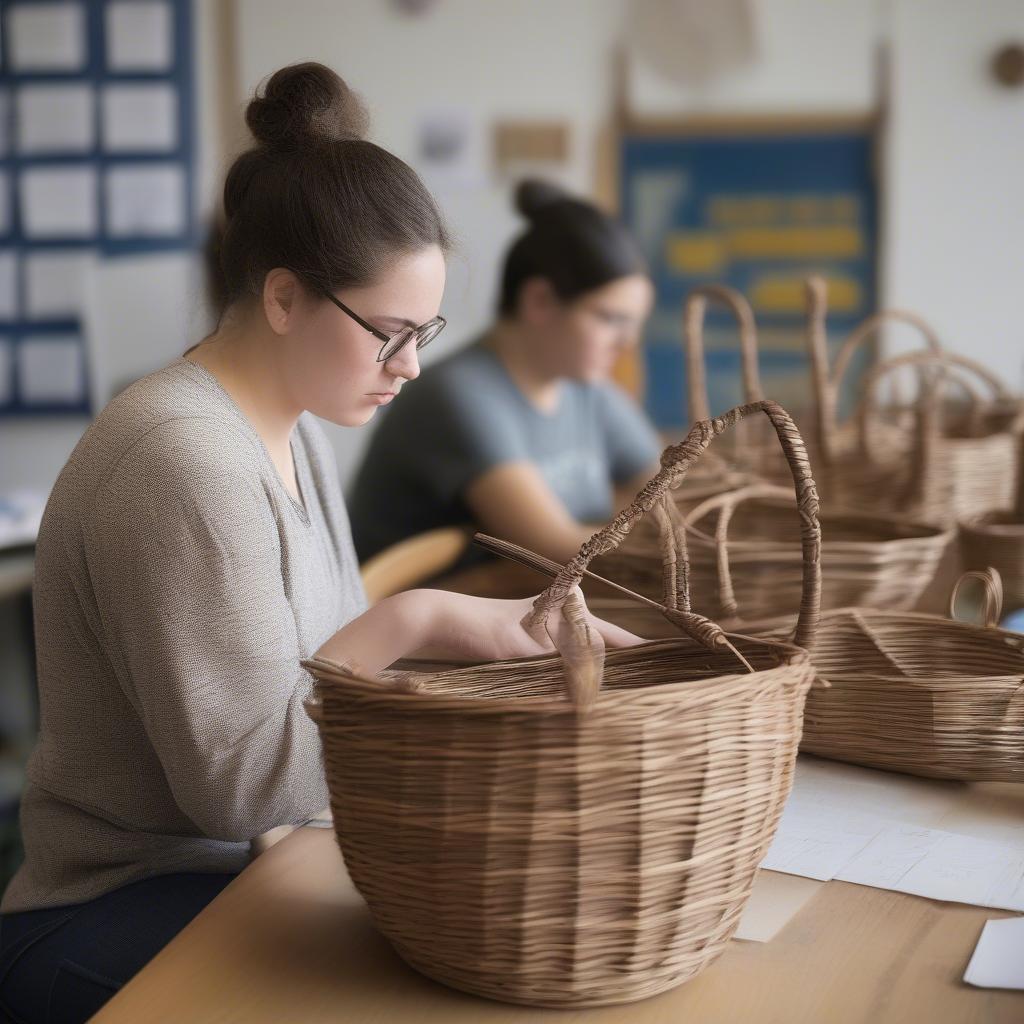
<point>955,205</point>
<point>951,201</point>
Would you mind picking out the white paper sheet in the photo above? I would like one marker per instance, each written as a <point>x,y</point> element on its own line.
<point>834,787</point>
<point>5,202</point>
<point>8,284</point>
<point>5,99</point>
<point>774,902</point>
<point>998,960</point>
<point>145,202</point>
<point>140,118</point>
<point>56,283</point>
<point>6,371</point>
<point>941,866</point>
<point>55,119</point>
<point>818,845</point>
<point>941,840</point>
<point>50,369</point>
<point>47,37</point>
<point>59,202</point>
<point>140,36</point>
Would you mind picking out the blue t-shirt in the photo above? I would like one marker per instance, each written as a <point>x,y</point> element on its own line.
<point>464,416</point>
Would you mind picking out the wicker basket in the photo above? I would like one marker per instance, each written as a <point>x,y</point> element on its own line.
<point>997,540</point>
<point>875,561</point>
<point>919,694</point>
<point>560,833</point>
<point>833,440</point>
<point>749,453</point>
<point>954,471</point>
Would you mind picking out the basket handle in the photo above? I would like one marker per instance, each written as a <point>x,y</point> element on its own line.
<point>992,584</point>
<point>827,383</point>
<point>694,310</point>
<point>727,504</point>
<point>927,424</point>
<point>676,461</point>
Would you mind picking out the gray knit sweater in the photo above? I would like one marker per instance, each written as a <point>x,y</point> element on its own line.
<point>178,584</point>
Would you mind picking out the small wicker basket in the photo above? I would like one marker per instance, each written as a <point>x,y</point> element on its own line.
<point>997,540</point>
<point>920,694</point>
<point>953,472</point>
<point>577,829</point>
<point>750,454</point>
<point>833,440</point>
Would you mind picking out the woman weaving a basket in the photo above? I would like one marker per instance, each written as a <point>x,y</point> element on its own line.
<point>196,547</point>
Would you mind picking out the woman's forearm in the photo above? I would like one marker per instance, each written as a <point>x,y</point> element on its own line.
<point>394,628</point>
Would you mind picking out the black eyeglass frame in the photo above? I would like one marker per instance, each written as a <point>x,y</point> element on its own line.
<point>411,332</point>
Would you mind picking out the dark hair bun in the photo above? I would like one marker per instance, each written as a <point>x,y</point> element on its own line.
<point>303,103</point>
<point>534,195</point>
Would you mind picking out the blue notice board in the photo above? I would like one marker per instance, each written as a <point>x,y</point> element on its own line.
<point>757,211</point>
<point>96,161</point>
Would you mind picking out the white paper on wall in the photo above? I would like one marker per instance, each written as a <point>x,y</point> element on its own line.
<point>55,119</point>
<point>47,37</point>
<point>5,202</point>
<point>59,202</point>
<point>56,283</point>
<point>8,284</point>
<point>140,36</point>
<point>145,201</point>
<point>5,142</point>
<point>51,370</point>
<point>6,371</point>
<point>140,117</point>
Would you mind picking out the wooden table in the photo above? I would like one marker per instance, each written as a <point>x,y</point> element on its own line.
<point>291,941</point>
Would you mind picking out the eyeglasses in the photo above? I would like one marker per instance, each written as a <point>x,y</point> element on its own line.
<point>392,344</point>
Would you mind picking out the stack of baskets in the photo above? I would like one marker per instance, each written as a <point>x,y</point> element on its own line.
<point>576,829</point>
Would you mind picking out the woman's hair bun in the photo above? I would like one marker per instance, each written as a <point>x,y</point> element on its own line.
<point>533,195</point>
<point>302,103</point>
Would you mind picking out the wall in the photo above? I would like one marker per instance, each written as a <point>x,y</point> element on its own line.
<point>953,178</point>
<point>953,153</point>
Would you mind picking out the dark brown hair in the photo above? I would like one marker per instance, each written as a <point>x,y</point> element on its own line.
<point>570,243</point>
<point>314,196</point>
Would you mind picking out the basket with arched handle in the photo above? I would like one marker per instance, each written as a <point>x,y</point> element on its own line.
<point>949,474</point>
<point>833,439</point>
<point>580,828</point>
<point>750,454</point>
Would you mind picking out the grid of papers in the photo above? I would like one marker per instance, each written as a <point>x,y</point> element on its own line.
<point>97,160</point>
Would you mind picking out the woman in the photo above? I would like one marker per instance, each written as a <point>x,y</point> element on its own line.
<point>196,547</point>
<point>523,432</point>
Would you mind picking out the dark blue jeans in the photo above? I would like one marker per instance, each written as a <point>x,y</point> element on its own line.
<point>61,965</point>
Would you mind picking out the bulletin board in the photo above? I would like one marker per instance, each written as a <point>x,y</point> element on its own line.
<point>96,162</point>
<point>758,209</point>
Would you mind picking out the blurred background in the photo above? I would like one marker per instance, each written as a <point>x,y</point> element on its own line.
<point>879,142</point>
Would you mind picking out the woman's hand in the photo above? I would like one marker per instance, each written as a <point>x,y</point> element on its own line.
<point>486,629</point>
<point>445,626</point>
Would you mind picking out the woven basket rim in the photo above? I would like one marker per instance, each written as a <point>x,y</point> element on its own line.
<point>345,676</point>
<point>1009,637</point>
